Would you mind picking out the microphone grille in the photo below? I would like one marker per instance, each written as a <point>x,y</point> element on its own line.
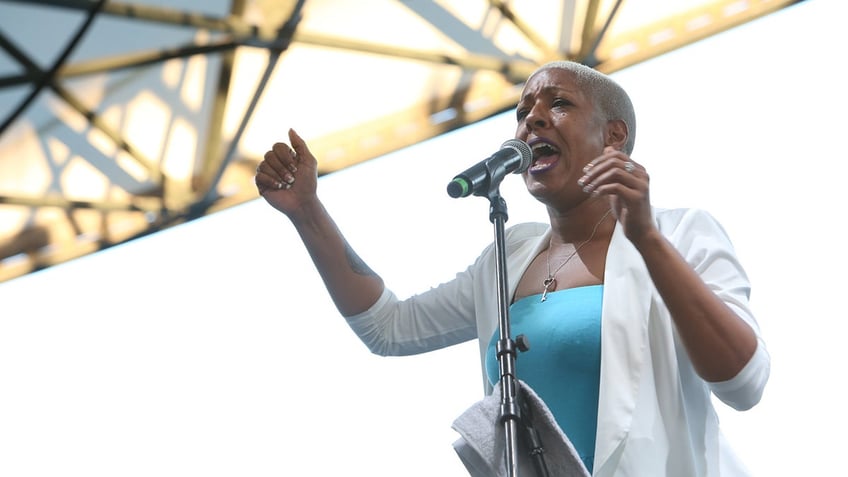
<point>524,152</point>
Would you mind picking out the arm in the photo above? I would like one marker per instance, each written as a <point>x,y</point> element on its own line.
<point>442,316</point>
<point>718,341</point>
<point>287,179</point>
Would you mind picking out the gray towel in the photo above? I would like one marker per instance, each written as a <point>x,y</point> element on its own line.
<point>481,446</point>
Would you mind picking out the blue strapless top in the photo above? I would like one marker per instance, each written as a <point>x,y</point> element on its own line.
<point>563,364</point>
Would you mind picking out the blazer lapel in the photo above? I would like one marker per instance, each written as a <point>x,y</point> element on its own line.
<point>624,342</point>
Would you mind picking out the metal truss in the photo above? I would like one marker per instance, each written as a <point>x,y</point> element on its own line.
<point>76,176</point>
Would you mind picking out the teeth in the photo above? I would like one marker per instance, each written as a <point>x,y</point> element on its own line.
<point>543,149</point>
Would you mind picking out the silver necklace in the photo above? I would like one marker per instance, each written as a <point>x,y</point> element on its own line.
<point>549,283</point>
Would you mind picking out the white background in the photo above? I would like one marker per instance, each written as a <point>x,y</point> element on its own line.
<point>213,349</point>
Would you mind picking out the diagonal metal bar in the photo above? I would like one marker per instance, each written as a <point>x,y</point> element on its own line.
<point>48,76</point>
<point>121,62</point>
<point>214,138</point>
<point>30,76</point>
<point>77,105</point>
<point>525,29</point>
<point>155,14</point>
<point>514,69</point>
<point>33,70</point>
<point>133,60</point>
<point>286,32</point>
<point>592,37</point>
<point>472,39</point>
<point>101,125</point>
<point>146,58</point>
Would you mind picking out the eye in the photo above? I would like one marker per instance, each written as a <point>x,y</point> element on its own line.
<point>520,114</point>
<point>560,103</point>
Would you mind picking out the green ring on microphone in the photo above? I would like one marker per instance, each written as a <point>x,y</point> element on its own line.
<point>464,185</point>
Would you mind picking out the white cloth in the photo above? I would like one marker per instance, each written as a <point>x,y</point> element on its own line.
<point>482,442</point>
<point>655,414</point>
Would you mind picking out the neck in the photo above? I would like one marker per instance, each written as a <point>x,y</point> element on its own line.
<point>577,225</point>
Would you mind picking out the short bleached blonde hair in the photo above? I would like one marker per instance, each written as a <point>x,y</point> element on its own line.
<point>609,97</point>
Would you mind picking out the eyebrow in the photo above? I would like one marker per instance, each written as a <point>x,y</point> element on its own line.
<point>548,90</point>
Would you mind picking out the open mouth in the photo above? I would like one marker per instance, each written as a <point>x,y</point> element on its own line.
<point>545,155</point>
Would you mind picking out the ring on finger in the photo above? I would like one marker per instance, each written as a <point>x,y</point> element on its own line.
<point>629,166</point>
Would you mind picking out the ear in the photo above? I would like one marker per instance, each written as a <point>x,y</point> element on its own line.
<point>616,133</point>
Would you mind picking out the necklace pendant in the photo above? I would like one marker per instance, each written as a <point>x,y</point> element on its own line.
<point>547,284</point>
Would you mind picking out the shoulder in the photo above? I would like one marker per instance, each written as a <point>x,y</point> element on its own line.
<point>526,231</point>
<point>672,220</point>
<point>692,230</point>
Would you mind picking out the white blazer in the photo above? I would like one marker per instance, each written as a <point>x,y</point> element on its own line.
<point>655,414</point>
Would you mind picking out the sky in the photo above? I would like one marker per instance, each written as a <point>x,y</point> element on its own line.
<point>213,349</point>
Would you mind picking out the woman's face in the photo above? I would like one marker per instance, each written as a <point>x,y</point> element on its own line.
<point>560,123</point>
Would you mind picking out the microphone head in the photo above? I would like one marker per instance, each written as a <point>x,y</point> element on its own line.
<point>459,187</point>
<point>524,152</point>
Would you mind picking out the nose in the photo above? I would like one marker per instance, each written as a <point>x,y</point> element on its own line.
<point>535,119</point>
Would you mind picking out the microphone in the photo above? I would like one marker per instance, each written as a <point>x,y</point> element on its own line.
<point>514,156</point>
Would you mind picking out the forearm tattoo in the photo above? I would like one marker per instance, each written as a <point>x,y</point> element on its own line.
<point>357,264</point>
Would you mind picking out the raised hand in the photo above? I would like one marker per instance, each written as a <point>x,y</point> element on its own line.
<point>626,183</point>
<point>288,176</point>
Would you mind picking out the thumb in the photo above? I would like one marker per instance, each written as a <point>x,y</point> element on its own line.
<point>299,144</point>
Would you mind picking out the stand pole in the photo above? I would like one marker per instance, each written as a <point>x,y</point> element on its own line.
<point>509,412</point>
<point>510,409</point>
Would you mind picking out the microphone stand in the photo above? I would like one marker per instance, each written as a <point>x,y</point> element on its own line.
<point>510,408</point>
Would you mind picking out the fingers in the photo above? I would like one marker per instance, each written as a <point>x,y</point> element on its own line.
<point>282,159</point>
<point>614,172</point>
<point>274,172</point>
<point>277,170</point>
<point>268,179</point>
<point>625,183</point>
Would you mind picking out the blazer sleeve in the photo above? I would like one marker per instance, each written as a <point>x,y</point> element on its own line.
<point>439,317</point>
<point>707,248</point>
